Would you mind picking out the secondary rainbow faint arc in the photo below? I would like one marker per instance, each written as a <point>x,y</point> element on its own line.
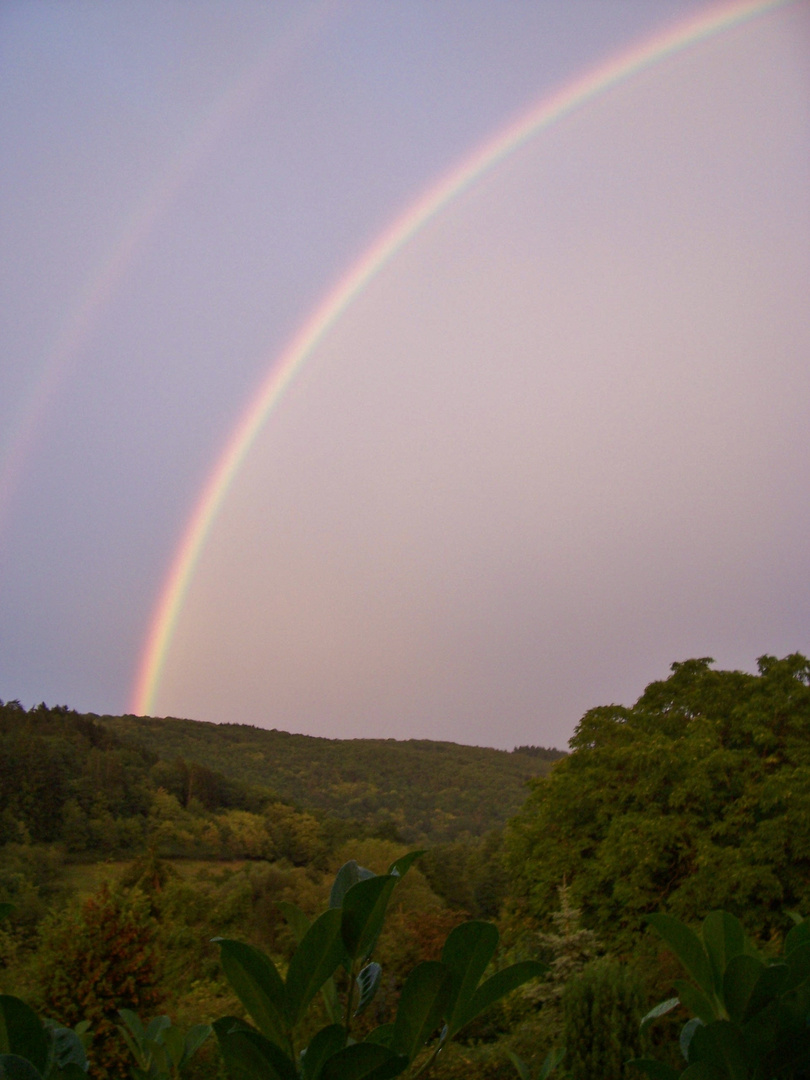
<point>552,108</point>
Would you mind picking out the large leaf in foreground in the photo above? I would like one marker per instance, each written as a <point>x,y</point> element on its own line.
<point>349,874</point>
<point>327,1042</point>
<point>497,986</point>
<point>22,1033</point>
<point>257,984</point>
<point>363,912</point>
<point>423,1003</point>
<point>313,962</point>
<point>467,952</point>
<point>248,1055</point>
<point>14,1067</point>
<point>364,1061</point>
<point>688,947</point>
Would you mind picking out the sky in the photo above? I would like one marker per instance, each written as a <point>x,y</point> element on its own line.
<point>329,405</point>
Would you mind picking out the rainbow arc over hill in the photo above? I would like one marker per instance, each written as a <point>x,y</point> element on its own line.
<point>284,367</point>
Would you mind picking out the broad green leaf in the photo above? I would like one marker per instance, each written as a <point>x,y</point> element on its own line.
<point>248,1055</point>
<point>349,874</point>
<point>14,1067</point>
<point>137,1050</point>
<point>798,962</point>
<point>133,1024</point>
<point>363,913</point>
<point>298,922</point>
<point>324,1045</point>
<point>720,1044</point>
<point>697,1002</point>
<point>364,1061</point>
<point>739,982</point>
<point>331,1001</point>
<point>401,866</point>
<point>796,936</point>
<point>195,1037</point>
<point>368,982</point>
<point>175,1044</point>
<point>257,984</point>
<point>381,1035</point>
<point>67,1047</point>
<point>687,1034</point>
<point>769,986</point>
<point>157,1026</point>
<point>656,1070</point>
<point>468,950</point>
<point>661,1009</point>
<point>422,1004</point>
<point>135,1037</point>
<point>315,959</point>
<point>724,939</point>
<point>497,986</point>
<point>790,1057</point>
<point>22,1033</point>
<point>687,946</point>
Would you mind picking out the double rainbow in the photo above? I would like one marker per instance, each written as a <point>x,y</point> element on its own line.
<point>284,368</point>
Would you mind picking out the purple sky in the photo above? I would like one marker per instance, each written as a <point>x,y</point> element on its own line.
<point>560,441</point>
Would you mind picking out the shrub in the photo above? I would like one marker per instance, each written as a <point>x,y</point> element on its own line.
<point>94,961</point>
<point>602,1009</point>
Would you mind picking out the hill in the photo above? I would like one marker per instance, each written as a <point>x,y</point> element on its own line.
<point>422,790</point>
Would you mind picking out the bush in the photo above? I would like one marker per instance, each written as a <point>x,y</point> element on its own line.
<point>94,961</point>
<point>602,1009</point>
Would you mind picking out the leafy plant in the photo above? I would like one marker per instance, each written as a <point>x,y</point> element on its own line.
<point>438,996</point>
<point>750,1015</point>
<point>160,1049</point>
<point>31,1049</point>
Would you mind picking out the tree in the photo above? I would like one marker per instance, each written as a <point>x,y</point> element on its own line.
<point>98,960</point>
<point>697,797</point>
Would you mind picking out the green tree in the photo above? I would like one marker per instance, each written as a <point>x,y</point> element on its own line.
<point>95,960</point>
<point>695,798</point>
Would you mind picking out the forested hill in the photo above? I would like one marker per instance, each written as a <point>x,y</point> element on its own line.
<point>422,789</point>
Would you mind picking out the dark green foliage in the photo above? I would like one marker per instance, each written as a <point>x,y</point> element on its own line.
<point>750,1013</point>
<point>443,995</point>
<point>64,777</point>
<point>160,1049</point>
<point>696,797</point>
<point>33,1050</point>
<point>469,876</point>
<point>602,1010</point>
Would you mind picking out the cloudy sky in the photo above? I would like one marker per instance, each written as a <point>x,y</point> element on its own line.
<point>558,440</point>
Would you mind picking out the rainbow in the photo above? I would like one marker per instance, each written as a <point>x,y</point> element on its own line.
<point>282,371</point>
